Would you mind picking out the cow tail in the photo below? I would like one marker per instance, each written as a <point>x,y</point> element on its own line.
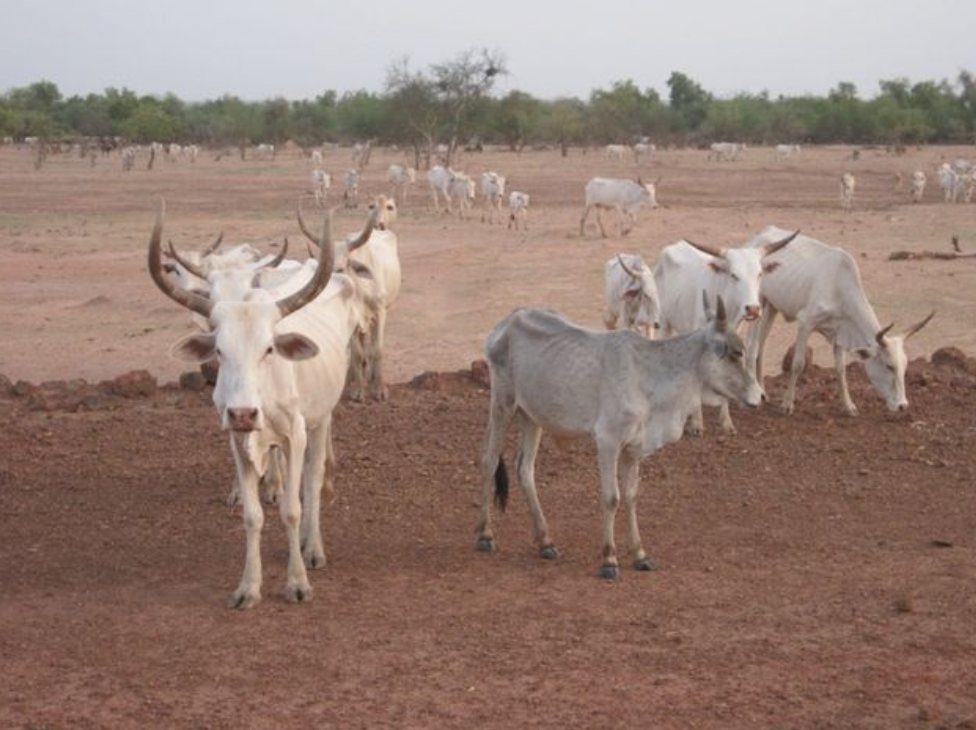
<point>501,484</point>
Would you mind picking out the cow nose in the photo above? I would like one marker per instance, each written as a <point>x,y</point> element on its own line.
<point>242,419</point>
<point>902,406</point>
<point>752,312</point>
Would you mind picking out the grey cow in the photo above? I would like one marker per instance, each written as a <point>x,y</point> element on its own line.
<point>630,394</point>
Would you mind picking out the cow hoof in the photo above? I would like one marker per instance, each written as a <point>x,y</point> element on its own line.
<point>728,430</point>
<point>314,559</point>
<point>271,497</point>
<point>644,564</point>
<point>851,411</point>
<point>695,431</point>
<point>234,498</point>
<point>788,409</point>
<point>243,599</point>
<point>549,552</point>
<point>381,394</point>
<point>356,395</point>
<point>485,545</point>
<point>298,593</point>
<point>610,572</point>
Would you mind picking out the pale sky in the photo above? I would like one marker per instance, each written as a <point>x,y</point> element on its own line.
<point>257,49</point>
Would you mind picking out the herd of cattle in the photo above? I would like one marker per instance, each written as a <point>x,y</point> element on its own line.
<point>689,330</point>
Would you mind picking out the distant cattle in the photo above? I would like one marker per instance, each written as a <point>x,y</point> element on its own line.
<point>626,197</point>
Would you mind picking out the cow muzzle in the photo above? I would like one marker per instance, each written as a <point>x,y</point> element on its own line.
<point>243,419</point>
<point>752,313</point>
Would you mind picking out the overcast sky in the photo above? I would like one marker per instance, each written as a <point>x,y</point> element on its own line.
<point>257,49</point>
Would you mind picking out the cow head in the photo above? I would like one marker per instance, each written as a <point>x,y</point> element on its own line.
<point>723,367</point>
<point>344,248</point>
<point>386,211</point>
<point>885,362</point>
<point>740,271</point>
<point>244,335</point>
<point>648,192</point>
<point>641,294</point>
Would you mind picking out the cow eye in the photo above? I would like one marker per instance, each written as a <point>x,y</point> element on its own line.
<point>890,367</point>
<point>734,277</point>
<point>269,350</point>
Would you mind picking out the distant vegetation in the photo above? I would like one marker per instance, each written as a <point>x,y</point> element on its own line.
<point>453,103</point>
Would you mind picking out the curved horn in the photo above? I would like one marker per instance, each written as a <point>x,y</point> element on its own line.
<point>363,237</point>
<point>718,253</point>
<point>276,261</point>
<point>630,273</point>
<point>213,246</point>
<point>192,268</point>
<point>305,229</point>
<point>319,279</point>
<point>639,181</point>
<point>191,301</point>
<point>720,319</point>
<point>881,334</point>
<point>915,328</point>
<point>771,248</point>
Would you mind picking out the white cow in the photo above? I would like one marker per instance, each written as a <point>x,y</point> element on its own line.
<point>631,295</point>
<point>439,178</point>
<point>321,182</point>
<point>283,361</point>
<point>641,149</point>
<point>378,255</point>
<point>265,151</point>
<point>918,186</point>
<point>787,150</point>
<point>725,151</point>
<point>949,180</point>
<point>685,269</point>
<point>129,157</point>
<point>625,196</point>
<point>518,209</point>
<point>819,287</point>
<point>192,151</point>
<point>616,152</point>
<point>493,190</point>
<point>847,185</point>
<point>629,394</point>
<point>386,212</point>
<point>316,157</point>
<point>400,178</point>
<point>462,191</point>
<point>350,196</point>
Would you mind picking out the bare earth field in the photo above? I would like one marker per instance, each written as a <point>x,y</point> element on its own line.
<point>816,571</point>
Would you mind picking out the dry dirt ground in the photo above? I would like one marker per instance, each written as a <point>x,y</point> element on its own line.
<point>816,571</point>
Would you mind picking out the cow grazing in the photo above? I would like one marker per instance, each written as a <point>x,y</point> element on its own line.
<point>283,361</point>
<point>265,151</point>
<point>625,196</point>
<point>493,190</point>
<point>378,254</point>
<point>918,186</point>
<point>630,394</point>
<point>321,182</point>
<point>631,295</point>
<point>685,269</point>
<point>819,287</point>
<point>787,150</point>
<point>616,152</point>
<point>350,195</point>
<point>518,209</point>
<point>400,178</point>
<point>847,185</point>
<point>725,151</point>
<point>641,149</point>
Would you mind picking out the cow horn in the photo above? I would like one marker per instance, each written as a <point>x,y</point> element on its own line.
<point>630,273</point>
<point>363,237</point>
<point>305,229</point>
<point>718,253</point>
<point>319,279</point>
<point>720,319</point>
<point>191,301</point>
<point>771,248</point>
<point>276,261</point>
<point>915,328</point>
<point>881,334</point>
<point>192,268</point>
<point>640,181</point>
<point>213,246</point>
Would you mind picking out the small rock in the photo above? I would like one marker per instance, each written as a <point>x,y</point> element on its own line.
<point>134,384</point>
<point>479,371</point>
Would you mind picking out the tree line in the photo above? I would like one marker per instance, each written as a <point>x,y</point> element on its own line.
<point>453,103</point>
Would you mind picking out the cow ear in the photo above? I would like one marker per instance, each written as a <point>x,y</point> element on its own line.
<point>863,353</point>
<point>632,293</point>
<point>717,266</point>
<point>771,266</point>
<point>194,348</point>
<point>293,346</point>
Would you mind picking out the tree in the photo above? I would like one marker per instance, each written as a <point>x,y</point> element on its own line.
<point>688,99</point>
<point>150,123</point>
<point>419,112</point>
<point>517,118</point>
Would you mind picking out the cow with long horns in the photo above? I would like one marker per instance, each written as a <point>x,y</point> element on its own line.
<point>283,361</point>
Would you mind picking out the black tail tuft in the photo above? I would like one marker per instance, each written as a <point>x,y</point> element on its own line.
<point>501,485</point>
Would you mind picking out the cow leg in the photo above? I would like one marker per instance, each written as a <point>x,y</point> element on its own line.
<point>725,419</point>
<point>799,360</point>
<point>315,473</point>
<point>501,412</point>
<point>630,476</point>
<point>525,465</point>
<point>248,593</point>
<point>297,588</point>
<point>695,425</point>
<point>374,356</point>
<point>599,220</point>
<point>357,365</point>
<point>840,365</point>
<point>586,214</point>
<point>607,456</point>
<point>273,479</point>
<point>757,340</point>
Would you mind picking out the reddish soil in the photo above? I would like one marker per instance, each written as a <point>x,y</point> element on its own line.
<point>817,571</point>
